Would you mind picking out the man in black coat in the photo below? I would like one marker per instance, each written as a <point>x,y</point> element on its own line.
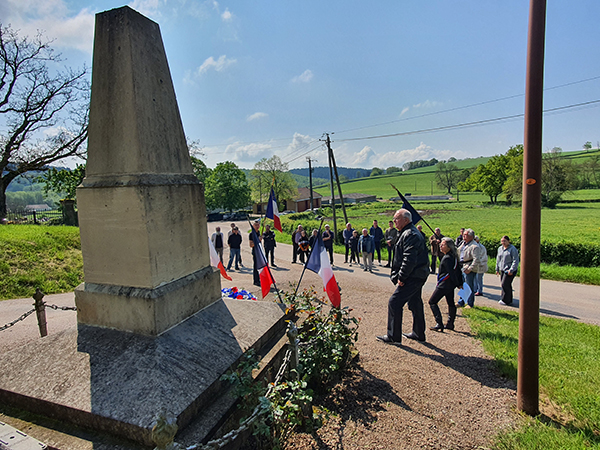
<point>410,269</point>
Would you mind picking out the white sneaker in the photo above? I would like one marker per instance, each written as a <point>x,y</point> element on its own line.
<point>502,303</point>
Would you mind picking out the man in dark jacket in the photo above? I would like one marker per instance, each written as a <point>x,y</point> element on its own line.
<point>410,269</point>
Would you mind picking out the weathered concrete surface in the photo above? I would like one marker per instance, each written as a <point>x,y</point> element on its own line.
<point>141,209</point>
<point>117,382</point>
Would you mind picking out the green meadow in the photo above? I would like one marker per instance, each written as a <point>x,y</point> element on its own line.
<point>569,376</point>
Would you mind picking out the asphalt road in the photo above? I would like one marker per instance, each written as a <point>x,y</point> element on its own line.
<point>558,299</point>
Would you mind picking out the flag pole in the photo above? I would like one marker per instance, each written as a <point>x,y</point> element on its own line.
<point>304,268</point>
<point>406,201</point>
<point>252,230</point>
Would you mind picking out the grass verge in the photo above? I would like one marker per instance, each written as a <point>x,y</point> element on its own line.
<point>569,378</point>
<point>33,256</point>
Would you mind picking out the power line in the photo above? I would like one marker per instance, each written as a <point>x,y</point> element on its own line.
<point>464,107</point>
<point>469,124</point>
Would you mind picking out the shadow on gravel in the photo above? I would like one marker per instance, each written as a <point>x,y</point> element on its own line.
<point>479,369</point>
<point>360,396</point>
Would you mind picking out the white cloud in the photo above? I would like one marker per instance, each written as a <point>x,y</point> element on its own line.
<point>218,65</point>
<point>404,111</point>
<point>226,16</point>
<point>250,153</point>
<point>305,77</point>
<point>362,158</point>
<point>256,116</point>
<point>428,104</point>
<point>422,151</point>
<point>53,18</point>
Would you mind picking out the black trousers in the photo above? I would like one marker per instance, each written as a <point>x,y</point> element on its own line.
<point>409,294</point>
<point>507,291</point>
<point>254,268</point>
<point>272,252</point>
<point>330,251</point>
<point>390,254</point>
<point>378,250</point>
<point>347,251</point>
<point>437,295</point>
<point>434,258</point>
<point>295,249</point>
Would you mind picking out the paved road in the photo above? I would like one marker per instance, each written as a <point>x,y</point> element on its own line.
<point>558,299</point>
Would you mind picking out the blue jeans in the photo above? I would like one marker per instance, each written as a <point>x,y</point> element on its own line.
<point>238,258</point>
<point>470,280</point>
<point>479,283</point>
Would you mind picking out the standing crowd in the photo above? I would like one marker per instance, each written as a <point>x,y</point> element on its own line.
<point>458,264</point>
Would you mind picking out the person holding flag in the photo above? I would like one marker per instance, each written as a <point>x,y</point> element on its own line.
<point>410,270</point>
<point>273,212</point>
<point>215,260</point>
<point>318,262</point>
<point>262,274</point>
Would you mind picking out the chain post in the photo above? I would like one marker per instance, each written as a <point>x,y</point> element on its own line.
<point>40,311</point>
<point>292,334</point>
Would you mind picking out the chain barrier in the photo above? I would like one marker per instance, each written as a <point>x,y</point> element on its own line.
<point>62,308</point>
<point>28,313</point>
<point>23,317</point>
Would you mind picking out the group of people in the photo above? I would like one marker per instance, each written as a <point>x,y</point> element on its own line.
<point>461,261</point>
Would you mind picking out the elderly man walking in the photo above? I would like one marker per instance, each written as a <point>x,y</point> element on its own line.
<point>410,269</point>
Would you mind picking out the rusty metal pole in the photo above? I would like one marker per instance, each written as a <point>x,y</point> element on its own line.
<point>529,305</point>
<point>40,311</point>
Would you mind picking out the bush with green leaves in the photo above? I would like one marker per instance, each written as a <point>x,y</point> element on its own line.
<point>326,344</point>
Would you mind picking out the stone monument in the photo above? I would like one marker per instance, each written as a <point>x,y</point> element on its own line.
<point>142,214</point>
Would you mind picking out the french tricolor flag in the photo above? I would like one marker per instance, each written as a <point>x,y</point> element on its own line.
<point>266,279</point>
<point>319,263</point>
<point>215,261</point>
<point>273,211</point>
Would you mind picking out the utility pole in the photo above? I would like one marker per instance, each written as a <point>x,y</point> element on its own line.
<point>310,181</point>
<point>332,192</point>
<point>337,178</point>
<point>529,307</point>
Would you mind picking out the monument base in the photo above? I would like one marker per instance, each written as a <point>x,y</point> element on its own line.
<point>147,311</point>
<point>116,382</point>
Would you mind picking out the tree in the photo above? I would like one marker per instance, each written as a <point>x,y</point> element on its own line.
<point>558,176</point>
<point>227,187</point>
<point>587,146</point>
<point>63,181</point>
<point>447,176</point>
<point>393,169</point>
<point>43,111</point>
<point>490,178</point>
<point>513,186</point>
<point>272,172</point>
<point>200,170</point>
<point>376,171</point>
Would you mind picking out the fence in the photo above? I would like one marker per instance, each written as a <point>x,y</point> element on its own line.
<point>31,216</point>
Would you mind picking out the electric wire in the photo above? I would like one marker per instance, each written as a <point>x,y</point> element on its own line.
<point>469,124</point>
<point>486,102</point>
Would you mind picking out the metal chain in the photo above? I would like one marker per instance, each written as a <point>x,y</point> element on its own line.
<point>63,308</point>
<point>23,317</point>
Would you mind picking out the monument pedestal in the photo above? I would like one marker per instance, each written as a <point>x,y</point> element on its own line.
<point>116,382</point>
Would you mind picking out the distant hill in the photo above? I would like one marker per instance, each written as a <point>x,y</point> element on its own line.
<point>323,172</point>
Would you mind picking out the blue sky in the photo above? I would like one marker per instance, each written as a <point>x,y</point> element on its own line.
<point>258,78</point>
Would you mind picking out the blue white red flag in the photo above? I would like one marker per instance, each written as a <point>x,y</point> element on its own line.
<point>273,211</point>
<point>319,263</point>
<point>216,262</point>
<point>266,279</point>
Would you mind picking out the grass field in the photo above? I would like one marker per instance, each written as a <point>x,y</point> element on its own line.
<point>569,369</point>
<point>42,257</point>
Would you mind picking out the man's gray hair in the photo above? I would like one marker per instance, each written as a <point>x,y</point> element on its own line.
<point>405,213</point>
<point>470,232</point>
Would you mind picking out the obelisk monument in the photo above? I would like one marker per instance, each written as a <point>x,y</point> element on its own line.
<point>142,214</point>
